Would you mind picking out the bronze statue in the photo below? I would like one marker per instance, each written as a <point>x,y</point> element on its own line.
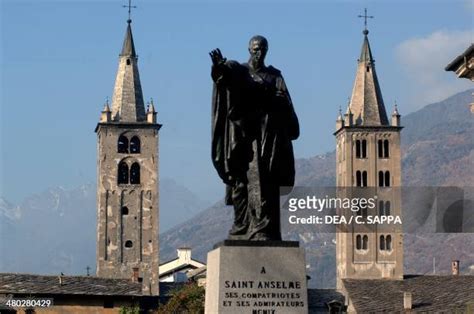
<point>253,124</point>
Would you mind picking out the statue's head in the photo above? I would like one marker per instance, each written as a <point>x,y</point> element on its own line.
<point>258,47</point>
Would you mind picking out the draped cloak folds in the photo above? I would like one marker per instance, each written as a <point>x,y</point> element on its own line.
<point>252,106</point>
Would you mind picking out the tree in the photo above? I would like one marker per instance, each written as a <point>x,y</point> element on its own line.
<point>187,299</point>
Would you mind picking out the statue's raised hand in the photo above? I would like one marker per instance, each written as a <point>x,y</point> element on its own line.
<point>216,57</point>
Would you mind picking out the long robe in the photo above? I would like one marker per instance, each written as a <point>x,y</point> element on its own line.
<point>253,124</point>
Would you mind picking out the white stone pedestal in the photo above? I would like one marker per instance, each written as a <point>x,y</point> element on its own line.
<point>256,277</point>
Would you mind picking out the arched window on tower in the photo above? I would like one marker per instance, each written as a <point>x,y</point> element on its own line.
<point>365,242</point>
<point>381,181</point>
<point>363,212</point>
<point>380,148</point>
<point>384,178</point>
<point>359,178</point>
<point>384,208</point>
<point>386,149</point>
<point>387,208</point>
<point>135,173</point>
<point>382,243</point>
<point>122,174</point>
<point>387,178</point>
<point>135,145</point>
<point>364,148</point>
<point>122,144</point>
<point>388,243</point>
<point>125,210</point>
<point>358,242</point>
<point>358,149</point>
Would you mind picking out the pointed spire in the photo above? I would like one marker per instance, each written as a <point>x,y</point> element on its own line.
<point>106,106</point>
<point>151,107</point>
<point>127,102</point>
<point>395,110</point>
<point>128,48</point>
<point>396,117</point>
<point>366,102</point>
<point>348,116</point>
<point>340,120</point>
<point>106,113</point>
<point>366,53</point>
<point>339,116</point>
<point>151,113</point>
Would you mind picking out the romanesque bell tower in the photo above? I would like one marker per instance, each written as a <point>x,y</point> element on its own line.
<point>368,164</point>
<point>127,179</point>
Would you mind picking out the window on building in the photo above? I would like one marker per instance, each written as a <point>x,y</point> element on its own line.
<point>135,173</point>
<point>359,178</point>
<point>358,149</point>
<point>128,244</point>
<point>382,243</point>
<point>135,145</point>
<point>387,178</point>
<point>384,208</point>
<point>122,145</point>
<point>386,152</point>
<point>385,243</point>
<point>122,173</point>
<point>364,178</point>
<point>384,178</point>
<point>359,242</point>
<point>365,242</point>
<point>381,208</point>
<point>383,148</point>
<point>387,208</point>
<point>361,148</point>
<point>125,210</point>
<point>388,243</point>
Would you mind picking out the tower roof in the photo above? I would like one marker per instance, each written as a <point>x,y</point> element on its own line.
<point>128,48</point>
<point>127,103</point>
<point>366,100</point>
<point>366,53</point>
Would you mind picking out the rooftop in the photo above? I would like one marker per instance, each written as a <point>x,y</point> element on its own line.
<point>78,285</point>
<point>430,293</point>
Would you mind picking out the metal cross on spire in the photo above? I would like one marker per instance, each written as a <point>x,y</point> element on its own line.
<point>365,16</point>
<point>129,6</point>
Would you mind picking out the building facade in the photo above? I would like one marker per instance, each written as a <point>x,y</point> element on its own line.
<point>177,270</point>
<point>127,179</point>
<point>368,165</point>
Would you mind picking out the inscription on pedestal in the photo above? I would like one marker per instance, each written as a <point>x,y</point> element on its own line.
<point>256,280</point>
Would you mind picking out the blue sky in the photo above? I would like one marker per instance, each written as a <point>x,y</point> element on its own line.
<point>59,60</point>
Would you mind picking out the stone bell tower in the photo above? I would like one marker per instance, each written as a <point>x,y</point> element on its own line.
<point>368,163</point>
<point>127,179</point>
